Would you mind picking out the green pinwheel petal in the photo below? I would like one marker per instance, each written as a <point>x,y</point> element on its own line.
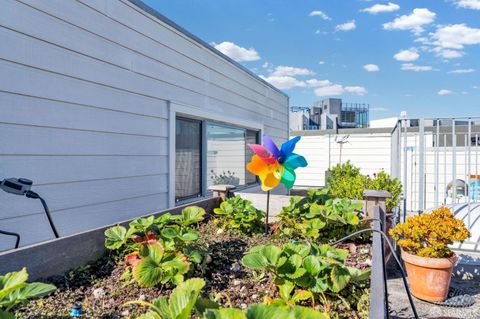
<point>288,177</point>
<point>294,161</point>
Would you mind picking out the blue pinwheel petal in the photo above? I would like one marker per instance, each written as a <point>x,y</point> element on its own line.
<point>270,146</point>
<point>294,161</point>
<point>288,177</point>
<point>289,146</point>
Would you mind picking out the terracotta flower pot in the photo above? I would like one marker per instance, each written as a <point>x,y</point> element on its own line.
<point>429,278</point>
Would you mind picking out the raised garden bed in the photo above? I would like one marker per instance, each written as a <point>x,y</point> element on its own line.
<point>102,290</point>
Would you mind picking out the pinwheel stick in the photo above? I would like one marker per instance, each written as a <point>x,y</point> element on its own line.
<point>268,207</point>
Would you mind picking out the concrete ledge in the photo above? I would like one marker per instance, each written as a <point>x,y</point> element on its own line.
<point>55,257</point>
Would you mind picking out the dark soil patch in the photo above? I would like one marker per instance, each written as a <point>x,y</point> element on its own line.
<point>102,292</point>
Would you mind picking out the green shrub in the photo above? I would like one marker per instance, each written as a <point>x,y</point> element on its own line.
<point>346,181</point>
<point>15,290</point>
<point>383,181</point>
<point>239,214</point>
<point>318,217</point>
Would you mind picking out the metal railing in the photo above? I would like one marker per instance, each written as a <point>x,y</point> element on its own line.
<point>437,160</point>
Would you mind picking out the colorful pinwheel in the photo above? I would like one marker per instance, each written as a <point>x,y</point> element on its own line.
<point>273,165</point>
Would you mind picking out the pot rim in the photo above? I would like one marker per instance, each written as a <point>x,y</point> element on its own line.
<point>429,262</point>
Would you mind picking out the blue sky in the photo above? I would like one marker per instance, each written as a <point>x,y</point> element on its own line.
<point>422,57</point>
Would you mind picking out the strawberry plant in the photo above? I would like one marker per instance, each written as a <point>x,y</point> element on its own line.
<point>239,214</point>
<point>185,298</point>
<point>428,235</point>
<point>156,266</point>
<point>14,290</point>
<point>304,271</point>
<point>318,217</point>
<point>158,250</point>
<point>178,306</point>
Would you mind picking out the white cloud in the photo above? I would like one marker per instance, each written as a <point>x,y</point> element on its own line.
<point>448,54</point>
<point>318,83</point>
<point>321,14</point>
<point>283,70</point>
<point>337,89</point>
<point>377,8</point>
<point>407,55</point>
<point>456,36</point>
<point>321,62</point>
<point>236,52</point>
<point>416,68</point>
<point>444,92</point>
<point>469,4</point>
<point>371,67</point>
<point>462,71</point>
<point>358,90</point>
<point>266,65</point>
<point>413,22</point>
<point>283,82</point>
<point>330,90</point>
<point>347,26</point>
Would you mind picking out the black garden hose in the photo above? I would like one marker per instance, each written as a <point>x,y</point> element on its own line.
<point>404,276</point>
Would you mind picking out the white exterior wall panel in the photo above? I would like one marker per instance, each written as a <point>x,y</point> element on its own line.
<point>85,89</point>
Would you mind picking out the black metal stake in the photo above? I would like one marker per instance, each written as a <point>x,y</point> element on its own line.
<point>268,208</point>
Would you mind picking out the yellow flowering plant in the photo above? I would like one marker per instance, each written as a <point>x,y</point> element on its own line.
<point>428,235</point>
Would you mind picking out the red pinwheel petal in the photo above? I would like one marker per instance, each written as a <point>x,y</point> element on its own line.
<point>262,153</point>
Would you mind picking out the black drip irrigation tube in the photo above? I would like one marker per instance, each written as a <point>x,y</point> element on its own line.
<point>404,275</point>
<point>17,241</point>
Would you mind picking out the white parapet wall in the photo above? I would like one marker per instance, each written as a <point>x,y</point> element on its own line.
<point>370,150</point>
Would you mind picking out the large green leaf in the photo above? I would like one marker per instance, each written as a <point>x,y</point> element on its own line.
<point>6,315</point>
<point>169,232</point>
<point>260,311</point>
<point>190,235</point>
<point>225,313</point>
<point>255,261</point>
<point>33,290</point>
<point>142,223</point>
<point>203,304</point>
<point>312,265</point>
<point>308,313</point>
<point>184,296</point>
<point>191,215</point>
<point>285,289</point>
<point>147,272</point>
<point>272,253</point>
<point>150,315</point>
<point>11,281</point>
<point>359,275</point>
<point>155,252</point>
<point>340,276</point>
<point>302,295</point>
<point>116,237</point>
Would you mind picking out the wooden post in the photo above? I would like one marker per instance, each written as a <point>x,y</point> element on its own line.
<point>375,198</point>
<point>222,191</point>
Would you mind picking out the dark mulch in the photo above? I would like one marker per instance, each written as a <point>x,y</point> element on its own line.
<point>102,292</point>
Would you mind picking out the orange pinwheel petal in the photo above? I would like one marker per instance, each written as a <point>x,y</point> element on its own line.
<point>272,179</point>
<point>257,166</point>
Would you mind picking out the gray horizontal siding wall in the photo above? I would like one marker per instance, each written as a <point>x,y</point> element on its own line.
<point>85,88</point>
